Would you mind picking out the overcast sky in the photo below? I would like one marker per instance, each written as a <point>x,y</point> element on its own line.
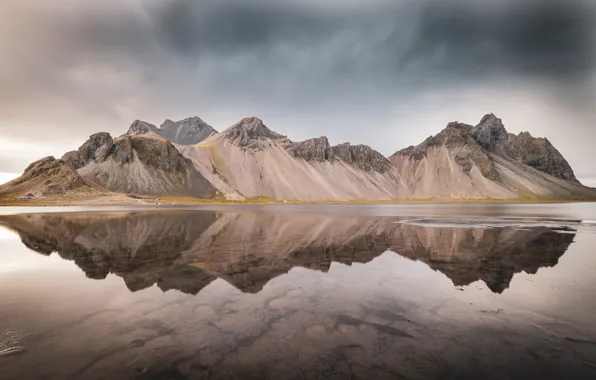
<point>386,73</point>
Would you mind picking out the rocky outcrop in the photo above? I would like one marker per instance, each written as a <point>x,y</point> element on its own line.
<point>491,135</point>
<point>540,154</point>
<point>157,153</point>
<point>123,151</point>
<point>74,160</point>
<point>97,148</point>
<point>45,178</point>
<point>189,131</point>
<point>139,127</point>
<point>250,133</point>
<point>362,157</point>
<point>317,149</point>
<point>161,155</point>
<point>485,161</point>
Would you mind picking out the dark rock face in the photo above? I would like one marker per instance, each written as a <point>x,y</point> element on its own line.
<point>97,148</point>
<point>317,149</point>
<point>249,131</point>
<point>491,134</point>
<point>362,157</point>
<point>159,154</point>
<point>540,154</point>
<point>123,151</point>
<point>74,159</point>
<point>343,152</point>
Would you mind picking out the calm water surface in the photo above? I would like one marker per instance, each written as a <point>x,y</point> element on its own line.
<point>487,291</point>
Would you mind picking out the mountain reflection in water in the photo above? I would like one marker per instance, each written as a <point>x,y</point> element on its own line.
<point>265,294</point>
<point>186,250</point>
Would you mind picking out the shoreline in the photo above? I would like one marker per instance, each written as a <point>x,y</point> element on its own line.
<point>265,201</point>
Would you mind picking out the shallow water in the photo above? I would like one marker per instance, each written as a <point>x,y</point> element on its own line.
<point>299,292</point>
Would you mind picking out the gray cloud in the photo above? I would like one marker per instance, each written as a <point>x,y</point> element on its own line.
<point>549,38</point>
<point>385,73</point>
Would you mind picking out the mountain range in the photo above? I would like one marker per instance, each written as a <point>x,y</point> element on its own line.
<point>190,159</point>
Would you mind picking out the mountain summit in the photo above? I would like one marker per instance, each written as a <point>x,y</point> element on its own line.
<point>249,160</point>
<point>486,161</point>
<point>189,131</point>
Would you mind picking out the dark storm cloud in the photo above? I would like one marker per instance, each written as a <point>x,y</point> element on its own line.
<point>292,48</point>
<point>547,38</point>
<point>196,26</point>
<point>551,38</point>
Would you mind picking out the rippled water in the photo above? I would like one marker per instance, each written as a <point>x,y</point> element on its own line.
<point>299,292</point>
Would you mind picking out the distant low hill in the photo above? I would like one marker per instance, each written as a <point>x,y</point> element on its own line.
<point>248,160</point>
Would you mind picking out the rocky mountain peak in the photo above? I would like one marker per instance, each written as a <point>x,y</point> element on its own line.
<point>458,138</point>
<point>139,127</point>
<point>456,134</point>
<point>251,123</point>
<point>540,154</point>
<point>97,148</point>
<point>190,122</point>
<point>189,131</point>
<point>491,134</point>
<point>248,131</point>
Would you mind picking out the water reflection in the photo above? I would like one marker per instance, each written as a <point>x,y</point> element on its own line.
<point>186,250</point>
<point>303,295</point>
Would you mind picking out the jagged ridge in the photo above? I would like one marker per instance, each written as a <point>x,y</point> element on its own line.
<point>250,160</point>
<point>462,157</point>
<point>189,131</point>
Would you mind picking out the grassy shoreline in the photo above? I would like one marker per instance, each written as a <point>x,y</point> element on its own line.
<point>187,201</point>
